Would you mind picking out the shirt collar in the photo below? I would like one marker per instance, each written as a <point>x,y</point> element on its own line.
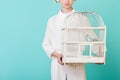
<point>60,13</point>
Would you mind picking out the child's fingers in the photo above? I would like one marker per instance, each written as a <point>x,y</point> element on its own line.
<point>60,61</point>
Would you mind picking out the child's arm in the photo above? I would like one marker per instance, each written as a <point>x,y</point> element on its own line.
<point>52,53</point>
<point>48,40</point>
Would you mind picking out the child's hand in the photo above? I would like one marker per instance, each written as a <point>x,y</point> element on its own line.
<point>59,57</point>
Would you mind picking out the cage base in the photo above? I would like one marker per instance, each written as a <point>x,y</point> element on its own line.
<point>83,59</point>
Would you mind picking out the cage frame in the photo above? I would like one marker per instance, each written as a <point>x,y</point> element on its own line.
<point>84,59</point>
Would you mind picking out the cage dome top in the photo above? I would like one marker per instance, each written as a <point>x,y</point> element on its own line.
<point>83,19</point>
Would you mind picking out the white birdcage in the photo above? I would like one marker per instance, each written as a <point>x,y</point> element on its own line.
<point>83,38</point>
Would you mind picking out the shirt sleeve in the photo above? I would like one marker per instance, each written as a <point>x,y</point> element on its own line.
<point>48,39</point>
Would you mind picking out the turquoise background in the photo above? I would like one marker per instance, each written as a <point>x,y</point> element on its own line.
<point>22,29</point>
